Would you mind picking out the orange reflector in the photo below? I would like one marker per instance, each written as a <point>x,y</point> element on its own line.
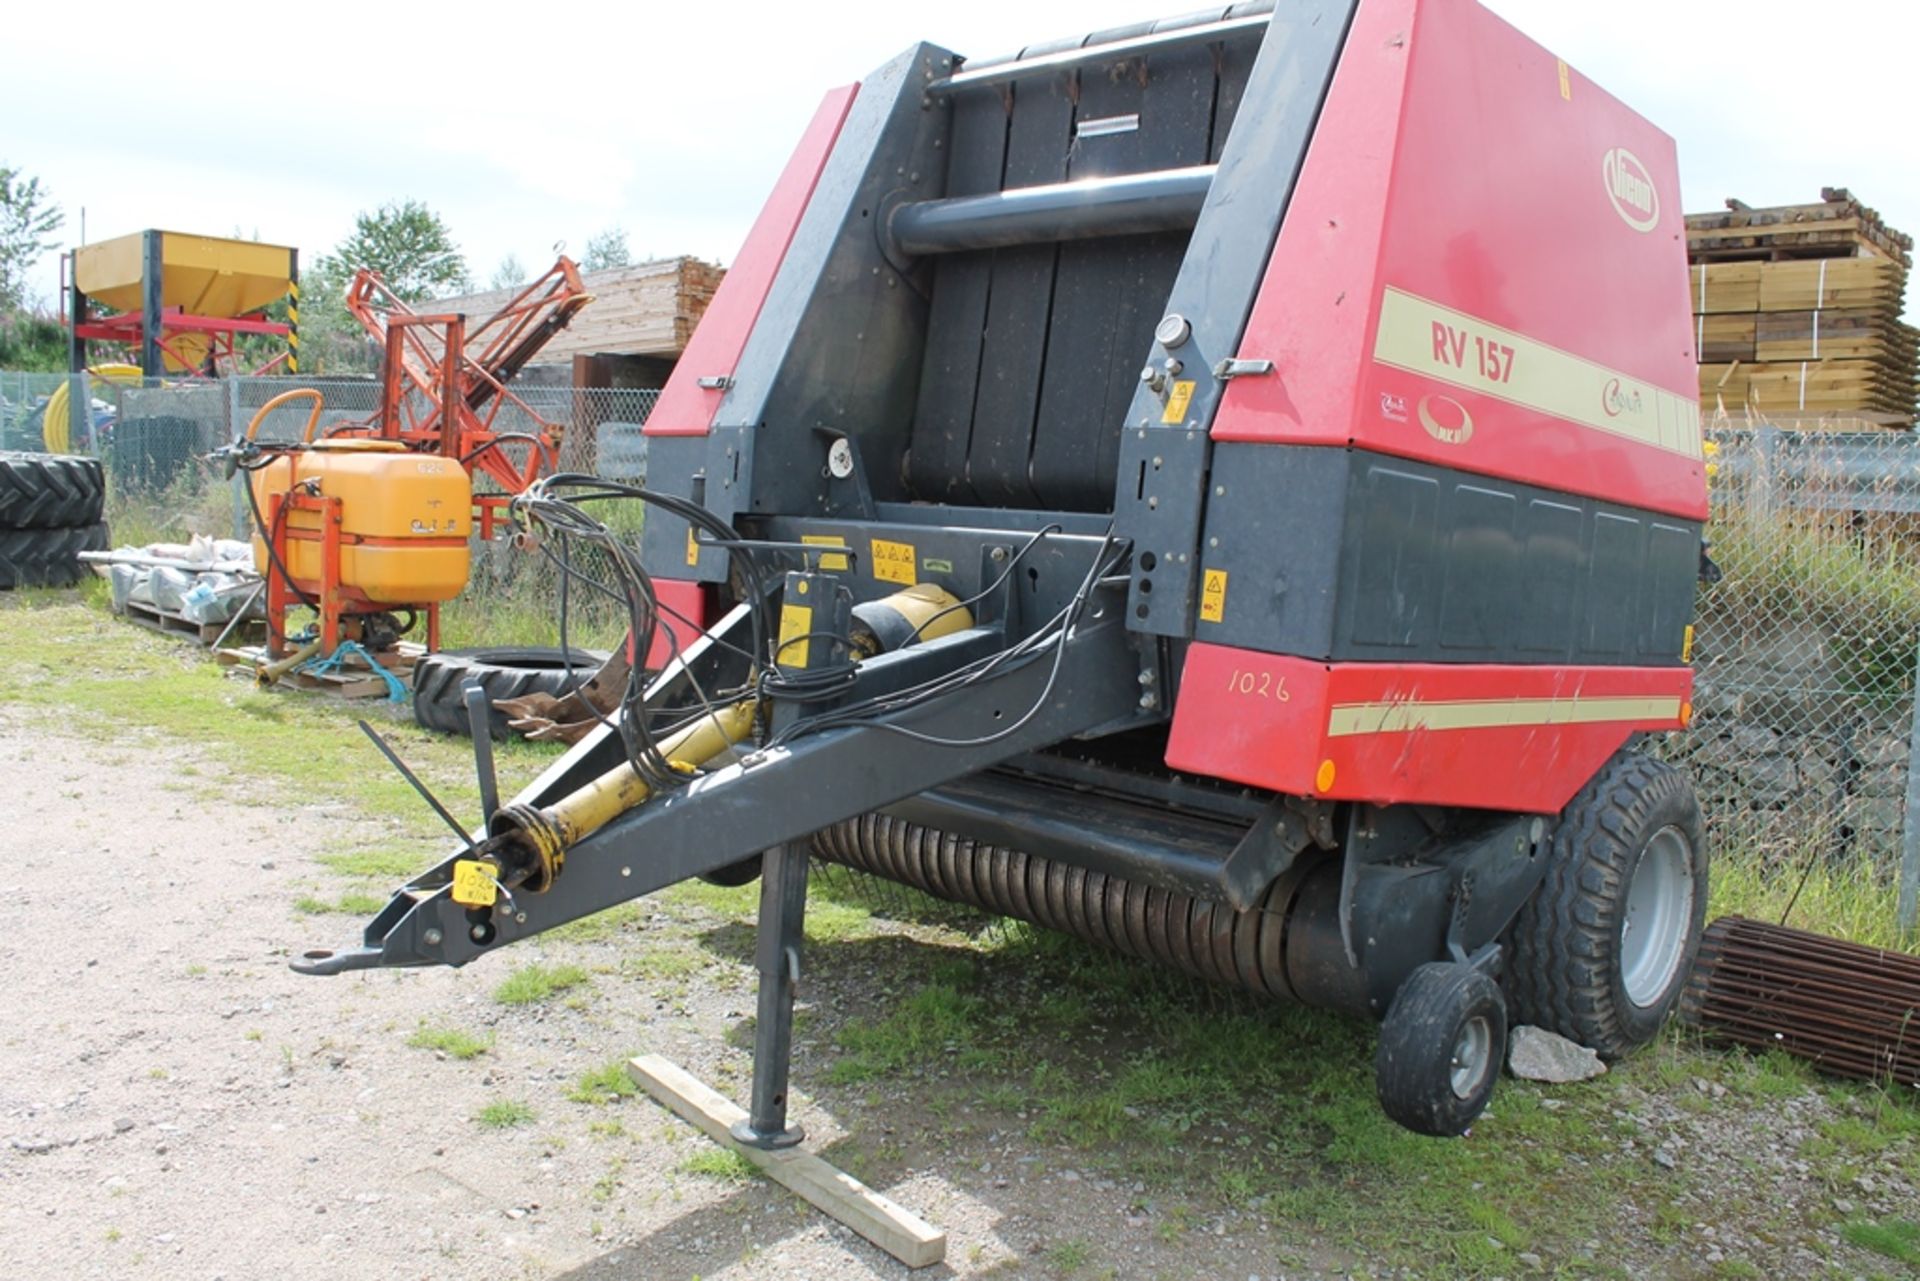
<point>1324,778</point>
<point>1686,714</point>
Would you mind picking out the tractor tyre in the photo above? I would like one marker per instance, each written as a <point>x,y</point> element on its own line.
<point>1601,952</point>
<point>47,557</point>
<point>1440,1049</point>
<point>440,681</point>
<point>50,491</point>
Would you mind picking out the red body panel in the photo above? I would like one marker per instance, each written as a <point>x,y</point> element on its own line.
<point>686,408</point>
<point>683,614</point>
<point>1493,737</point>
<point>1483,266</point>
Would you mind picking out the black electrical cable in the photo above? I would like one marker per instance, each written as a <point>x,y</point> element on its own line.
<point>267,535</point>
<point>538,442</point>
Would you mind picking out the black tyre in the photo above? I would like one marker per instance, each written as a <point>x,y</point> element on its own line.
<point>47,557</point>
<point>50,491</point>
<point>1440,1049</point>
<point>440,680</point>
<point>1601,952</point>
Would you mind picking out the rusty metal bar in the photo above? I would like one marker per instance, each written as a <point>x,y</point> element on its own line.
<point>1851,1010</point>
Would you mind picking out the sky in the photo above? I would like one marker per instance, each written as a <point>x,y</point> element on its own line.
<point>530,128</point>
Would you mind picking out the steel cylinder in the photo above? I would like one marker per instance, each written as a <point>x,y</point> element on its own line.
<point>1245,949</point>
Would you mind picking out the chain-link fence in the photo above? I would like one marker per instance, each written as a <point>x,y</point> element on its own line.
<point>1806,648</point>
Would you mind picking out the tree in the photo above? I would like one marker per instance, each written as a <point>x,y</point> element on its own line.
<point>607,249</point>
<point>408,245</point>
<point>27,224</point>
<point>509,274</point>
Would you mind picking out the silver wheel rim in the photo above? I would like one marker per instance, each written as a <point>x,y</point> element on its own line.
<point>1653,934</point>
<point>1472,1052</point>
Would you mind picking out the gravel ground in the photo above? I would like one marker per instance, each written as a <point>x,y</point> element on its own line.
<point>174,1102</point>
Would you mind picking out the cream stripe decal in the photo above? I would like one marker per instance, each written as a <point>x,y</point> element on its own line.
<point>1404,715</point>
<point>1464,351</point>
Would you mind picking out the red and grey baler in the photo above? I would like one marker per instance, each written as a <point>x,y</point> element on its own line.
<point>1229,488</point>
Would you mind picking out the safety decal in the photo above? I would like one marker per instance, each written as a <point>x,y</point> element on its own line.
<point>1213,595</point>
<point>894,562</point>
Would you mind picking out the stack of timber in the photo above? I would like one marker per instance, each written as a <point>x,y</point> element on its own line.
<point>1797,313</point>
<point>646,309</point>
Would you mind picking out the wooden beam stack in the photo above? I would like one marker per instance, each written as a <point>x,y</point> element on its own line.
<point>1797,313</point>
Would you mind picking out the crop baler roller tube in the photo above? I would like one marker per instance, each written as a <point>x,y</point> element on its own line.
<point>1210,940</point>
<point>1135,204</point>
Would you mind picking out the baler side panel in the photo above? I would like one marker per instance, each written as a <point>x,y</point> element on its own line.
<point>1491,346</point>
<point>838,344</point>
<point>686,408</point>
<point>1497,737</point>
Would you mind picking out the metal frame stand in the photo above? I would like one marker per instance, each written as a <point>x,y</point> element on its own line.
<point>783,909</point>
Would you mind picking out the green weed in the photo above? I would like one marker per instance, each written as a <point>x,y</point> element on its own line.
<point>719,1163</point>
<point>605,1084</point>
<point>504,1114</point>
<point>450,1041</point>
<point>532,983</point>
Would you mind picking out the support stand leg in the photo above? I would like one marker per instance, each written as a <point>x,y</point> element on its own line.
<point>783,905</point>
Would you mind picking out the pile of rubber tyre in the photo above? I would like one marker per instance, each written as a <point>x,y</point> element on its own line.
<point>50,512</point>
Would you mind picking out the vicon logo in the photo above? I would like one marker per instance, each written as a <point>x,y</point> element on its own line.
<point>1630,187</point>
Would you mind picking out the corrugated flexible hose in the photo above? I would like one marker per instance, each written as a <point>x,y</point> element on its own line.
<point>1244,949</point>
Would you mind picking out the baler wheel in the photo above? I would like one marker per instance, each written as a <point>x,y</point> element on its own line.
<point>1440,1049</point>
<point>1603,949</point>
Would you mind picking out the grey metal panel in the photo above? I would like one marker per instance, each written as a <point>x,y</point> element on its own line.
<point>1274,518</point>
<point>1482,560</point>
<point>936,462</point>
<point>1342,555</point>
<point>1615,568</point>
<point>838,340</point>
<point>1273,121</point>
<point>1391,536</point>
<point>1550,554</point>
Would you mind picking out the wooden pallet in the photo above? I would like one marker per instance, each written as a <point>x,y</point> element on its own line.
<point>153,618</point>
<point>1797,311</point>
<point>355,681</point>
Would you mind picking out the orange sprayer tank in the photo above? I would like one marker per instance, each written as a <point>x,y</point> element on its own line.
<point>404,519</point>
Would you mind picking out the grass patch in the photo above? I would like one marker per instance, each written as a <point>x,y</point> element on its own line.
<point>1896,1239</point>
<point>62,655</point>
<point>533,983</point>
<point>720,1163</point>
<point>919,1030</point>
<point>504,1114</point>
<point>1851,899</point>
<point>1068,1257</point>
<point>379,863</point>
<point>599,927</point>
<point>450,1041</point>
<point>606,1084</point>
<point>352,903</point>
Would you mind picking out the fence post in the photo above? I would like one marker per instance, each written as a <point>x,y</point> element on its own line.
<point>1909,902</point>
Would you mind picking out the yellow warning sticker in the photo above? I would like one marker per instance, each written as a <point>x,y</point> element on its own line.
<point>1566,85</point>
<point>894,562</point>
<point>1213,595</point>
<point>796,624</point>
<point>693,548</point>
<point>1686,645</point>
<point>473,883</point>
<point>831,561</point>
<point>1177,401</point>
